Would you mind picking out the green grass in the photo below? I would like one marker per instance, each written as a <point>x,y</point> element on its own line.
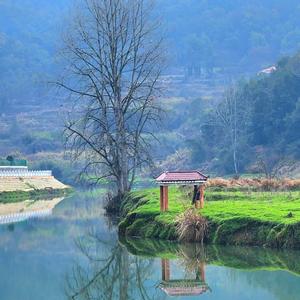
<point>19,196</point>
<point>260,206</point>
<point>238,217</point>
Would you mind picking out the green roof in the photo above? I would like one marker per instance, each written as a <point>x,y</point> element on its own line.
<point>15,162</point>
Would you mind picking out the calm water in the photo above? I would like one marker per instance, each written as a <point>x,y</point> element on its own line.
<point>76,254</point>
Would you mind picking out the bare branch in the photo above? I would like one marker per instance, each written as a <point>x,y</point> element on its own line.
<point>115,61</point>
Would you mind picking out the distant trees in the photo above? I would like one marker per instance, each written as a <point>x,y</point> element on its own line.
<point>10,158</point>
<point>271,165</point>
<point>260,113</point>
<point>27,49</point>
<point>3,103</point>
<point>115,61</point>
<point>230,116</point>
<point>198,54</point>
<point>239,33</point>
<point>239,36</point>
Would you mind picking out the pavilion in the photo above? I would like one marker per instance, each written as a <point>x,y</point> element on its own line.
<point>183,287</point>
<point>195,178</point>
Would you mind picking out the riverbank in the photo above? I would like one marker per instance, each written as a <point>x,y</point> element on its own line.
<point>246,258</point>
<point>28,206</point>
<point>17,189</point>
<point>236,217</point>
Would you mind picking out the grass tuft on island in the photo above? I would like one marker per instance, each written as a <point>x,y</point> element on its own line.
<point>239,217</point>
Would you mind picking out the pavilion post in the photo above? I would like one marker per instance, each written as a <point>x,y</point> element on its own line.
<point>199,203</point>
<point>202,271</point>
<point>164,198</point>
<point>161,198</point>
<point>202,190</point>
<point>197,200</point>
<point>165,269</point>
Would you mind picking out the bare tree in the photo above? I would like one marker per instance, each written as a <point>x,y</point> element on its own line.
<point>230,116</point>
<point>273,166</point>
<point>114,63</point>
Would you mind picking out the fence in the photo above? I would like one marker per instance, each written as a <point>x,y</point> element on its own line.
<point>24,173</point>
<point>19,217</point>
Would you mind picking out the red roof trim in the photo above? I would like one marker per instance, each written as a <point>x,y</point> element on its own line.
<point>177,176</point>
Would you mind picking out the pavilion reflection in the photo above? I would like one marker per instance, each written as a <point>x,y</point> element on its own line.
<point>181,275</point>
<point>183,287</point>
<point>109,269</point>
<point>127,268</point>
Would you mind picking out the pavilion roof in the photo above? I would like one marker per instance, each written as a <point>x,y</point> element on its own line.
<point>184,287</point>
<point>181,177</point>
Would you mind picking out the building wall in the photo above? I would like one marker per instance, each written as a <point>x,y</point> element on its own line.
<point>23,172</point>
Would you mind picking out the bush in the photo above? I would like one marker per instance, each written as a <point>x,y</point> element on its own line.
<point>191,227</point>
<point>255,184</point>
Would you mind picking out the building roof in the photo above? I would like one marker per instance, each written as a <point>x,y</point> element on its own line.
<point>268,70</point>
<point>184,287</point>
<point>183,177</point>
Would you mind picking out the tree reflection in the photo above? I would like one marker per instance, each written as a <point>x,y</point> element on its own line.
<point>110,269</point>
<point>107,271</point>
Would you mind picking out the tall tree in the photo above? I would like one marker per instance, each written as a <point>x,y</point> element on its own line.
<point>115,60</point>
<point>231,115</point>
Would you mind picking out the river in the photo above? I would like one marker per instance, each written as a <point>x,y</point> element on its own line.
<point>75,253</point>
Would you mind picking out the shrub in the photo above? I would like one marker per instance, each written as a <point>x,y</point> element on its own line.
<point>191,227</point>
<point>255,184</point>
<point>112,203</point>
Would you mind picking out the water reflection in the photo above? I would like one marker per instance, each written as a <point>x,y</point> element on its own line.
<point>183,287</point>
<point>21,211</point>
<point>108,272</point>
<point>39,260</point>
<point>223,272</point>
<point>148,269</point>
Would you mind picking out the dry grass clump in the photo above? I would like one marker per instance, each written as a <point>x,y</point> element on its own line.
<point>261,184</point>
<point>291,184</point>
<point>191,227</point>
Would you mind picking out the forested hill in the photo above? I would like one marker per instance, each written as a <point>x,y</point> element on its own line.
<point>211,41</point>
<point>235,35</point>
<point>30,32</point>
<point>240,35</point>
<point>258,121</point>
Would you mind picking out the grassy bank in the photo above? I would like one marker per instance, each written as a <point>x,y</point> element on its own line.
<point>245,258</point>
<point>246,217</point>
<point>18,196</point>
<point>16,189</point>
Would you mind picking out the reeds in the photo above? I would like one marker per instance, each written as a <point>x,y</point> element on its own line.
<point>259,184</point>
<point>191,226</point>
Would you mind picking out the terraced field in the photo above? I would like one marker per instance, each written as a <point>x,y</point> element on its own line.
<point>11,184</point>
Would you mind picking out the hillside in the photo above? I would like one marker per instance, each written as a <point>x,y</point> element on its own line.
<point>209,46</point>
<point>256,123</point>
<point>27,184</point>
<point>18,189</point>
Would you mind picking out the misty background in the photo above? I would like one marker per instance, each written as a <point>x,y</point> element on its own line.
<point>215,49</point>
